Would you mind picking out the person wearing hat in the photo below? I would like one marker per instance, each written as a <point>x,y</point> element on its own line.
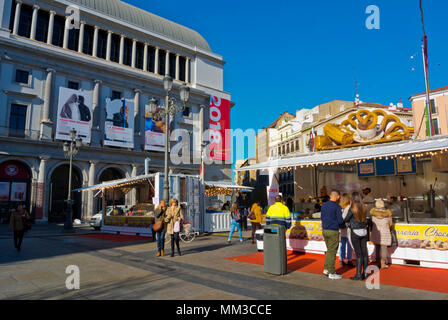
<point>381,237</point>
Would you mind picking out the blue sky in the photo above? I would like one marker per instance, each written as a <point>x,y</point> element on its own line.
<point>286,55</point>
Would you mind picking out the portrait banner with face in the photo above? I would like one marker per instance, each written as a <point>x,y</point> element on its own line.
<point>74,112</point>
<point>155,129</point>
<point>119,128</point>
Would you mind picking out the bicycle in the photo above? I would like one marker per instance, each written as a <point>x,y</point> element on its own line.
<point>188,234</point>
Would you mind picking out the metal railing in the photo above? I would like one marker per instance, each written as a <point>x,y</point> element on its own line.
<point>23,134</point>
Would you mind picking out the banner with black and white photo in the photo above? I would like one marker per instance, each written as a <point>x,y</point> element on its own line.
<point>119,128</point>
<point>74,112</point>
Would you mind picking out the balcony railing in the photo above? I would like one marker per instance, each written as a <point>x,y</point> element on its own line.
<point>22,134</point>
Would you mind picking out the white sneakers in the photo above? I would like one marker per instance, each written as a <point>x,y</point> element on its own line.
<point>332,276</point>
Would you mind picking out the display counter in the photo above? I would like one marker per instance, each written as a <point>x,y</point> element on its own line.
<point>128,225</point>
<point>425,245</point>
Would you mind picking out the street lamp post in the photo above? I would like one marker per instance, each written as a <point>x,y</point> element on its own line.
<point>70,150</point>
<point>170,110</point>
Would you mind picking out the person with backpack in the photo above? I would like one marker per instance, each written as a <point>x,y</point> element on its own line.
<point>236,216</point>
<point>19,222</point>
<point>255,219</point>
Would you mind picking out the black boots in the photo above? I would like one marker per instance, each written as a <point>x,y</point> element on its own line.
<point>177,245</point>
<point>365,264</point>
<point>358,275</point>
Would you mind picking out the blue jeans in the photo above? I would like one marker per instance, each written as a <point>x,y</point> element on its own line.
<point>346,250</point>
<point>234,224</point>
<point>160,240</point>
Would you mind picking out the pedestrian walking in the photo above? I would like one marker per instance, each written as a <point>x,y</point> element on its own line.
<point>331,215</point>
<point>244,219</point>
<point>279,213</point>
<point>160,215</point>
<point>357,218</point>
<point>381,236</point>
<point>235,223</point>
<point>345,250</point>
<point>174,220</point>
<point>255,219</point>
<point>18,224</point>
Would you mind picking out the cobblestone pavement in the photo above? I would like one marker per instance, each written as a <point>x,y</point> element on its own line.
<point>130,270</point>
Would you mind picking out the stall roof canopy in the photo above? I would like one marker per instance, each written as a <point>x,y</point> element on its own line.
<point>126,182</point>
<point>352,154</point>
<point>228,185</point>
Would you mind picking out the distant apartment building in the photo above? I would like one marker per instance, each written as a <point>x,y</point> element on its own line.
<point>439,111</point>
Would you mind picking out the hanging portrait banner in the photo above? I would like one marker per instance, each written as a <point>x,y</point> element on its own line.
<point>119,127</point>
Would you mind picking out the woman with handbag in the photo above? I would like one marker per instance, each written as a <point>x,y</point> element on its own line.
<point>160,227</point>
<point>236,216</point>
<point>18,224</point>
<point>357,218</point>
<point>381,234</point>
<point>174,219</point>
<point>255,219</point>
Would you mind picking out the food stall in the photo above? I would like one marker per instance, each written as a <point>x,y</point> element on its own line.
<point>216,219</point>
<point>411,175</point>
<point>146,194</point>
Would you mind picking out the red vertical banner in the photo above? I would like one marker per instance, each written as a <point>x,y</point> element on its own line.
<point>219,129</point>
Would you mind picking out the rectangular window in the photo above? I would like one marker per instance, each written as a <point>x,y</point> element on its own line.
<point>127,58</point>
<point>42,26</point>
<point>172,60</point>
<point>162,61</point>
<point>139,56</point>
<point>73,39</point>
<point>87,47</point>
<point>17,120</point>
<point>182,62</point>
<point>151,59</point>
<point>115,48</point>
<point>102,44</point>
<point>26,15</point>
<point>58,31</point>
<point>73,85</point>
<point>22,76</point>
<point>433,107</point>
<point>435,124</point>
<point>116,95</point>
<point>187,112</point>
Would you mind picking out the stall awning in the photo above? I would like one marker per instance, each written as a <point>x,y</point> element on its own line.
<point>228,185</point>
<point>393,149</point>
<point>121,183</point>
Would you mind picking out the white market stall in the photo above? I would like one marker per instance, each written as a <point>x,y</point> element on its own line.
<point>418,173</point>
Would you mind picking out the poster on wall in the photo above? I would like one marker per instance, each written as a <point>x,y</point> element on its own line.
<point>18,191</point>
<point>155,129</point>
<point>366,169</point>
<point>119,128</point>
<point>74,112</point>
<point>219,147</point>
<point>4,191</point>
<point>272,192</point>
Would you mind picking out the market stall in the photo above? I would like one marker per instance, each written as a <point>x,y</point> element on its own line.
<point>216,194</point>
<point>146,194</point>
<point>411,176</point>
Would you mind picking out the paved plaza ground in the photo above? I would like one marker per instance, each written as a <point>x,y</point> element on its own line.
<point>130,270</point>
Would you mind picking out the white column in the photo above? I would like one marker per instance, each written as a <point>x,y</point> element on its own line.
<point>177,67</point>
<point>34,22</point>
<point>81,36</point>
<point>133,192</point>
<point>156,61</point>
<point>97,114</point>
<point>95,42</point>
<point>17,18</point>
<point>167,63</point>
<point>91,210</point>
<point>66,32</point>
<point>121,49</point>
<point>187,69</point>
<point>134,52</point>
<point>137,110</point>
<point>145,57</point>
<point>109,45</point>
<point>50,27</point>
<point>41,201</point>
<point>47,97</point>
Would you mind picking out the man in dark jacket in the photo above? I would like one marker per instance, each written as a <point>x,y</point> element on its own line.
<point>84,110</point>
<point>331,214</point>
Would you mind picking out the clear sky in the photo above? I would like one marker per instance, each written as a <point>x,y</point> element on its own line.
<point>288,54</point>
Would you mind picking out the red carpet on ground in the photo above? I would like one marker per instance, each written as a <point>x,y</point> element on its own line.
<point>115,237</point>
<point>401,276</point>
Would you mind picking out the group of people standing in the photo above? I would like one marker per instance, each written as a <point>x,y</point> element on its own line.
<point>346,215</point>
<point>239,220</point>
<point>172,218</point>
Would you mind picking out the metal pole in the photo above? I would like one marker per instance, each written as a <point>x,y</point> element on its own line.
<point>429,128</point>
<point>166,183</point>
<point>68,222</point>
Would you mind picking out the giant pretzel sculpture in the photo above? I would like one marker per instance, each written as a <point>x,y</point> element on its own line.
<point>391,126</point>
